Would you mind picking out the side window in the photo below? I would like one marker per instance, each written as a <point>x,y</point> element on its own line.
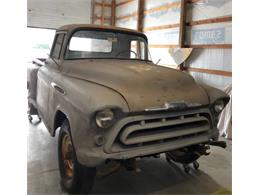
<point>137,49</point>
<point>57,46</point>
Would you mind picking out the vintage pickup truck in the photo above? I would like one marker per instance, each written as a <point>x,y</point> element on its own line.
<point>110,103</point>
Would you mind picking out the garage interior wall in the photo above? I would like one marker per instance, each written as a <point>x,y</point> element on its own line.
<point>102,12</point>
<point>53,14</point>
<point>208,29</point>
<point>212,64</point>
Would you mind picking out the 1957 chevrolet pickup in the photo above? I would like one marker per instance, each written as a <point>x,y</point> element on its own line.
<point>110,103</point>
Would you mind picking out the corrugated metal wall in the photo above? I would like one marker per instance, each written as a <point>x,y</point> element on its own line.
<point>97,13</point>
<point>216,33</point>
<point>160,26</point>
<point>211,59</point>
<point>128,9</point>
<point>216,59</point>
<point>53,14</point>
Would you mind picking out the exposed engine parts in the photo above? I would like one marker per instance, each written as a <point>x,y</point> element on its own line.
<point>188,155</point>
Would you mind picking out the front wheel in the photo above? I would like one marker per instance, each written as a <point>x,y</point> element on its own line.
<point>75,178</point>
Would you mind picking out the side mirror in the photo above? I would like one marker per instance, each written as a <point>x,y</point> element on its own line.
<point>38,62</point>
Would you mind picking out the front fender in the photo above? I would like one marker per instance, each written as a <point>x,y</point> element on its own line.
<point>81,101</point>
<point>215,94</point>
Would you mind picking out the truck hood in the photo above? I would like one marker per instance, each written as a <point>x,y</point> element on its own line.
<point>143,85</point>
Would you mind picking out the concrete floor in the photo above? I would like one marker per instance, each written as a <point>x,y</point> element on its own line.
<point>155,177</point>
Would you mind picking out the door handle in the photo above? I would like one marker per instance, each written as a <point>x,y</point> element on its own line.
<point>57,88</point>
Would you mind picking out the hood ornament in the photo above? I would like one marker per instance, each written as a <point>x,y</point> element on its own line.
<point>181,105</point>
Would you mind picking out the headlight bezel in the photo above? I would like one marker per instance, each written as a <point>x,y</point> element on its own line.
<point>104,118</point>
<point>224,102</point>
<point>218,106</point>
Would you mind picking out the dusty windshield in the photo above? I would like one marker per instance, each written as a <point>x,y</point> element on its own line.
<point>97,44</point>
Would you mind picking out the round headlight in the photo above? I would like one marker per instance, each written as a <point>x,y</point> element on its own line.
<point>219,106</point>
<point>104,118</point>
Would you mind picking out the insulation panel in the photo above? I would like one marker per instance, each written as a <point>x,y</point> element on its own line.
<point>53,14</point>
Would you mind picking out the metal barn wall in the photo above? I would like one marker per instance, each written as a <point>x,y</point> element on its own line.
<point>55,13</point>
<point>102,12</point>
<point>163,13</point>
<point>210,65</point>
<point>219,60</point>
<point>123,11</point>
<point>160,27</point>
<point>208,31</point>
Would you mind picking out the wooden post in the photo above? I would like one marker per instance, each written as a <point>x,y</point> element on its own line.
<point>102,12</point>
<point>140,15</point>
<point>113,13</point>
<point>182,24</point>
<point>93,11</point>
<point>140,22</point>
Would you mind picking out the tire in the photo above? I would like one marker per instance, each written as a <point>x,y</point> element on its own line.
<point>75,178</point>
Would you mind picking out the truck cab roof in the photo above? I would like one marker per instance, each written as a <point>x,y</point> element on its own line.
<point>70,28</point>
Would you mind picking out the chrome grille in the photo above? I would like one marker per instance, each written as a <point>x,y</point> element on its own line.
<point>161,132</point>
<point>147,131</point>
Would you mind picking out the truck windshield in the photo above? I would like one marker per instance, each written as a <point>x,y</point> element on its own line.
<point>96,44</point>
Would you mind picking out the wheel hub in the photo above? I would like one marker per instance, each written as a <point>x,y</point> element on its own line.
<point>67,155</point>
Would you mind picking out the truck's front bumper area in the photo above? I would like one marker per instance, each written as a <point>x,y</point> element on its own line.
<point>150,134</point>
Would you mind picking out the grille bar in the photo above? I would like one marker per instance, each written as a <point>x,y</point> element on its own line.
<point>161,136</point>
<point>160,147</point>
<point>152,133</point>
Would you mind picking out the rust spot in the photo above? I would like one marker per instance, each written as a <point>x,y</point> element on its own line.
<point>140,68</point>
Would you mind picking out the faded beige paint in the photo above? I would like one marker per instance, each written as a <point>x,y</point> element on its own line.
<point>142,84</point>
<point>80,88</point>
